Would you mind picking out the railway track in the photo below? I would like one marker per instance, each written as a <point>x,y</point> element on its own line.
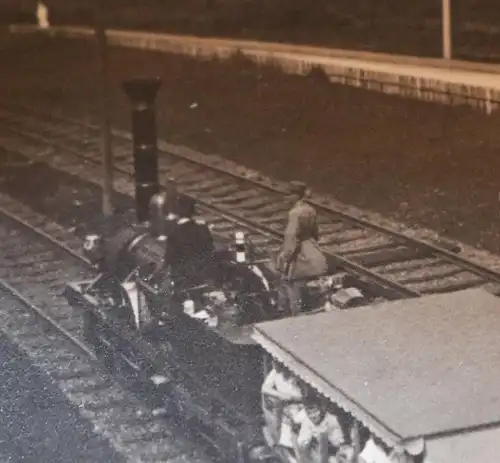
<point>402,265</point>
<point>38,257</point>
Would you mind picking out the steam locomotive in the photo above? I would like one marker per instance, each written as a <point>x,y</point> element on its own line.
<point>186,348</point>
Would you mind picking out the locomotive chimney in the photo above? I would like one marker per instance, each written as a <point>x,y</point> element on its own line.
<point>142,93</point>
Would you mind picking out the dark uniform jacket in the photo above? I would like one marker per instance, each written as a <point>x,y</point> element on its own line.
<point>301,256</point>
<point>190,249</point>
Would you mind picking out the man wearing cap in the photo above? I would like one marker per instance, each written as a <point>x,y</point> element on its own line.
<point>319,432</point>
<point>300,256</point>
<point>190,245</point>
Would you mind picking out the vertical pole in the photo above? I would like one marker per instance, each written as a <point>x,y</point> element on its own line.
<point>446,28</point>
<point>106,147</point>
<point>42,14</point>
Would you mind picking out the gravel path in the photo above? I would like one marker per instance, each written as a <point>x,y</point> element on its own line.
<point>37,423</point>
<point>421,164</point>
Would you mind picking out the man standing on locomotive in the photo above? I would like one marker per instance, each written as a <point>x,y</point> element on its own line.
<point>190,246</point>
<point>300,257</point>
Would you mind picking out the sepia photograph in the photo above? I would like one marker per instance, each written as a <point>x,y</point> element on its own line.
<point>249,231</point>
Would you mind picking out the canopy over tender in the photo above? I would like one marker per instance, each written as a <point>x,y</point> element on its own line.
<point>406,369</point>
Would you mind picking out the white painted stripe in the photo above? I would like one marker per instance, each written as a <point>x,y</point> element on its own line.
<point>259,273</point>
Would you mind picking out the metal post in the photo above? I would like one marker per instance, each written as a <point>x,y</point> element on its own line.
<point>446,29</point>
<point>42,15</point>
<point>142,93</point>
<point>106,148</point>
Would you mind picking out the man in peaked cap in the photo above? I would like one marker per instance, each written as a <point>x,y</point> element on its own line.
<point>190,245</point>
<point>300,257</point>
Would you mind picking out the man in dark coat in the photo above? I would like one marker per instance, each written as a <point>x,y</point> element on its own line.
<point>190,245</point>
<point>300,257</point>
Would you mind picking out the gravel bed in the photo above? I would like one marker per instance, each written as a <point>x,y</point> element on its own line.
<point>37,422</point>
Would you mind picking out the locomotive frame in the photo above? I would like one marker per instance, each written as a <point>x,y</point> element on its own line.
<point>139,330</point>
<point>156,356</point>
<point>150,362</point>
<point>160,357</point>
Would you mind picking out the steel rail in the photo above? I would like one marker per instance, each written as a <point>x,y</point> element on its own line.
<point>31,305</point>
<point>397,289</point>
<point>429,249</point>
<point>47,319</point>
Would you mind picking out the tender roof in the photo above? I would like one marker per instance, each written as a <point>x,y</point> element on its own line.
<point>407,368</point>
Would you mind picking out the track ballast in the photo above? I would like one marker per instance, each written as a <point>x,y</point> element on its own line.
<point>38,257</point>
<point>404,266</point>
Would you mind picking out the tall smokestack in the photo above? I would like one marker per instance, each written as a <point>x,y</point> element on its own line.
<point>142,93</point>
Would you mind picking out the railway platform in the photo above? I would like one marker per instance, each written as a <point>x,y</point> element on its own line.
<point>429,79</point>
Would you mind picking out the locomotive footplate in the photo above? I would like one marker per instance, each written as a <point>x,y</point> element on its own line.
<point>175,367</point>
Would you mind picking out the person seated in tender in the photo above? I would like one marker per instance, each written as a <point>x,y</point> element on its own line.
<point>282,397</point>
<point>318,425</point>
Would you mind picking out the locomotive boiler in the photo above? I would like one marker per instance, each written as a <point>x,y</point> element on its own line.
<point>185,345</point>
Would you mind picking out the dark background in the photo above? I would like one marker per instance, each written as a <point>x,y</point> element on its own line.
<point>392,26</point>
